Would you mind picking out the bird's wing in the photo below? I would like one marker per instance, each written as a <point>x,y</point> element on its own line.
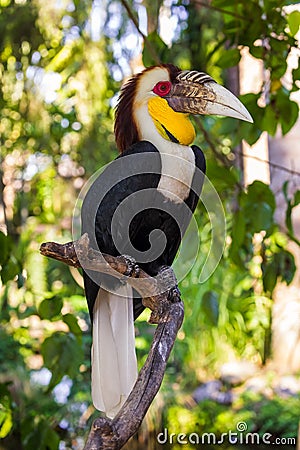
<point>112,188</point>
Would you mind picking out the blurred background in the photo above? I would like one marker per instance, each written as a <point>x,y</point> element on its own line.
<point>237,356</point>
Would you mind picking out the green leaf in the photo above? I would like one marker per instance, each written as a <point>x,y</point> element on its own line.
<point>269,121</point>
<point>72,323</point>
<point>287,266</point>
<point>229,58</point>
<point>251,132</point>
<point>269,276</point>
<point>282,265</point>
<point>257,51</point>
<point>10,270</point>
<point>50,308</point>
<point>289,210</point>
<point>154,49</point>
<point>287,122</point>
<point>288,217</point>
<point>62,356</point>
<point>238,236</point>
<point>38,434</point>
<point>293,19</point>
<point>223,177</point>
<point>296,200</point>
<point>262,218</point>
<point>210,307</point>
<point>5,247</point>
<point>6,420</point>
<point>296,74</point>
<point>259,192</point>
<point>289,110</point>
<point>258,206</point>
<point>285,190</point>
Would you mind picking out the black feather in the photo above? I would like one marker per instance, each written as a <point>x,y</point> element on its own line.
<point>98,216</point>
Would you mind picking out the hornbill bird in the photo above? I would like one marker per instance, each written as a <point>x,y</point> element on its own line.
<point>150,188</point>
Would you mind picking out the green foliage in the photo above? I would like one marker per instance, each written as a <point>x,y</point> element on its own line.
<point>255,214</point>
<point>229,58</point>
<point>269,34</point>
<point>62,356</point>
<point>291,204</point>
<point>39,434</point>
<point>277,416</point>
<point>10,266</point>
<point>210,307</point>
<point>156,51</point>
<point>6,422</point>
<point>280,266</point>
<point>49,308</point>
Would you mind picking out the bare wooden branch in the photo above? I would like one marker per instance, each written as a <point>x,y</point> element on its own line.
<point>167,312</point>
<point>79,254</point>
<point>109,434</point>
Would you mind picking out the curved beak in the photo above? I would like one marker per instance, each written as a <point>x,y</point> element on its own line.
<point>197,93</point>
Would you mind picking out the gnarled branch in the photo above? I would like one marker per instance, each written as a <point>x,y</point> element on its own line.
<point>167,312</point>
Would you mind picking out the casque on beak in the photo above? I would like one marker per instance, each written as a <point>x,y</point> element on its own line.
<point>197,93</point>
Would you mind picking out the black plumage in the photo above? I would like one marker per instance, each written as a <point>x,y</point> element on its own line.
<point>166,216</point>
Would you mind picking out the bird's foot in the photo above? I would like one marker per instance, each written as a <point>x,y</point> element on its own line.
<point>133,269</point>
<point>168,282</point>
<point>174,294</point>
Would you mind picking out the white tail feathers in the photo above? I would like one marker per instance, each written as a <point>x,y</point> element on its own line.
<point>114,365</point>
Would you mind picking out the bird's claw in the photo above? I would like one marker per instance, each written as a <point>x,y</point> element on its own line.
<point>133,269</point>
<point>174,294</point>
<point>168,282</point>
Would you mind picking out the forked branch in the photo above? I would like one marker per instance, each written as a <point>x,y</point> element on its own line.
<point>167,312</point>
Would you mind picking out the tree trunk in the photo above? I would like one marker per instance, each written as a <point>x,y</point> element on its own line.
<point>286,310</point>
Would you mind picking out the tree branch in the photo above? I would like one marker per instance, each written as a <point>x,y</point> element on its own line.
<point>153,290</point>
<point>167,311</point>
<point>113,434</point>
<point>147,43</point>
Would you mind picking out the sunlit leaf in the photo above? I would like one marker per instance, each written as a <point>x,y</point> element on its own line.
<point>293,20</point>
<point>6,417</point>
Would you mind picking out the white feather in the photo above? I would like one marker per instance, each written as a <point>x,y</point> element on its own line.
<point>114,364</point>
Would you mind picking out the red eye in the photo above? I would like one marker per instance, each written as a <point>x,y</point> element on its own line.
<point>162,88</point>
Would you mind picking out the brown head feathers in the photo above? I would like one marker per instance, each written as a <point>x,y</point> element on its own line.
<point>126,132</point>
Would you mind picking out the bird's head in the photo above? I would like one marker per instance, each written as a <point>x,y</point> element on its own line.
<point>158,102</point>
